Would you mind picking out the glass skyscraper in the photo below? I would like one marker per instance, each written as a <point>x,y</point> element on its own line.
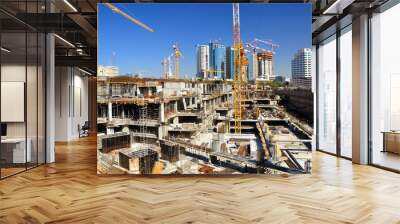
<point>230,56</point>
<point>217,61</point>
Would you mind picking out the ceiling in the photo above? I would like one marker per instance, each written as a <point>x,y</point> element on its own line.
<point>77,25</point>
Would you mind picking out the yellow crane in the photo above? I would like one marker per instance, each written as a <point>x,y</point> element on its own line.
<point>177,56</point>
<point>213,72</point>
<point>239,66</point>
<point>117,10</point>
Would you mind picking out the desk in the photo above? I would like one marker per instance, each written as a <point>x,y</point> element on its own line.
<point>391,141</point>
<point>13,150</point>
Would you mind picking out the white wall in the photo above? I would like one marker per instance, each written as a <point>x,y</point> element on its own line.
<point>71,102</point>
<point>33,126</point>
<point>12,73</point>
<point>16,73</point>
<point>80,110</point>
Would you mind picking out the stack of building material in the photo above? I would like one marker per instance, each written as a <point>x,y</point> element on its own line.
<point>169,151</point>
<point>114,141</point>
<point>158,168</point>
<point>140,161</point>
<point>206,169</point>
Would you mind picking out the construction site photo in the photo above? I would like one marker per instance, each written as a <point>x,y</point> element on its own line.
<point>176,97</point>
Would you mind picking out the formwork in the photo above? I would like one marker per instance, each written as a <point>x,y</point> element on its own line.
<point>169,151</point>
<point>142,160</point>
<point>114,141</point>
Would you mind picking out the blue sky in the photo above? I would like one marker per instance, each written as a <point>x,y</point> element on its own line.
<point>140,51</point>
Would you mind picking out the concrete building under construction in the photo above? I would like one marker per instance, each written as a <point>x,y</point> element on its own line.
<point>177,126</point>
<point>265,66</point>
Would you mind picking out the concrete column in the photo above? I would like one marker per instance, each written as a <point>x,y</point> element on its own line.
<point>109,111</point>
<point>50,98</point>
<point>360,90</point>
<point>184,103</point>
<point>92,86</point>
<point>160,132</point>
<point>162,114</point>
<point>176,106</point>
<point>63,101</point>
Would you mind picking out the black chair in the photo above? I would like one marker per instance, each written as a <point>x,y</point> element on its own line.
<point>84,130</point>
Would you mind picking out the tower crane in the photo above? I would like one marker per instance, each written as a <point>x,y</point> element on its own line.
<point>117,10</point>
<point>267,42</point>
<point>167,65</point>
<point>164,62</point>
<point>169,75</point>
<point>272,45</point>
<point>239,65</point>
<point>255,48</point>
<point>177,55</point>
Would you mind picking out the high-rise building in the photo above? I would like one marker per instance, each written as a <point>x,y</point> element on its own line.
<point>247,72</point>
<point>301,68</point>
<point>230,58</point>
<point>217,61</point>
<point>265,66</point>
<point>203,61</point>
<point>229,64</point>
<point>254,63</point>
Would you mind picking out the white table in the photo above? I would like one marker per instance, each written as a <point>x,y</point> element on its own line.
<point>18,147</point>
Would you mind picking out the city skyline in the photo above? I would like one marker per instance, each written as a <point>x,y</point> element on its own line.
<point>135,50</point>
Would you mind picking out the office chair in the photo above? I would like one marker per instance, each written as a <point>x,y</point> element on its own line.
<point>84,130</point>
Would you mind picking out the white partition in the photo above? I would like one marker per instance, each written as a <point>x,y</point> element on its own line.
<point>12,101</point>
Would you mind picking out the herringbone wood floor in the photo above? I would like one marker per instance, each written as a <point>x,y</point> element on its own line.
<point>69,191</point>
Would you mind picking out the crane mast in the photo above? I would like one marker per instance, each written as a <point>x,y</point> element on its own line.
<point>238,70</point>
<point>164,62</point>
<point>177,55</point>
<point>169,74</point>
<point>167,66</point>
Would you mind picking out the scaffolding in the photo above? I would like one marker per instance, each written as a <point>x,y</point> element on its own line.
<point>143,115</point>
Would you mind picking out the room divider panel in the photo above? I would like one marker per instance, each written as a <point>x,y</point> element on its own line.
<point>22,88</point>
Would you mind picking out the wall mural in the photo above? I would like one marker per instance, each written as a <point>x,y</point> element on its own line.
<point>204,89</point>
